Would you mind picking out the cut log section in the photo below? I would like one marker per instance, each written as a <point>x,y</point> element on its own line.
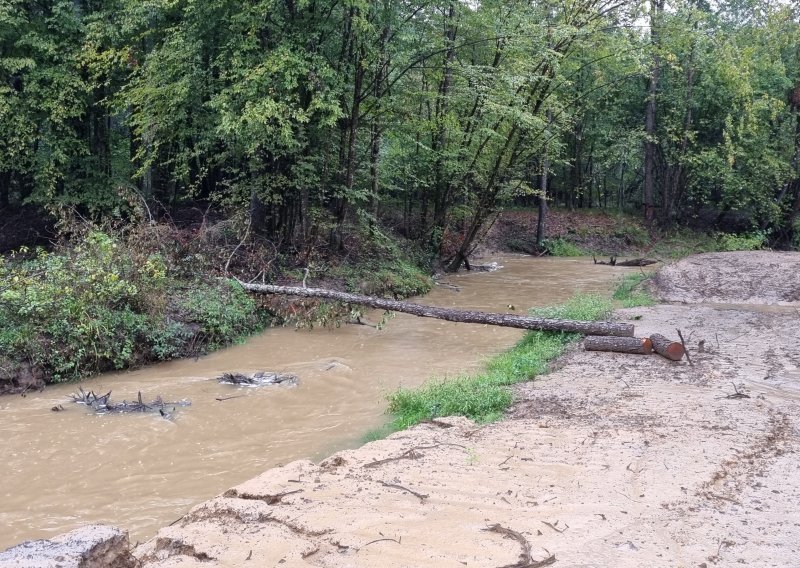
<point>665,347</point>
<point>635,345</point>
<point>462,316</point>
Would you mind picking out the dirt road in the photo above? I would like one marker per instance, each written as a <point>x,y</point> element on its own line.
<point>611,460</point>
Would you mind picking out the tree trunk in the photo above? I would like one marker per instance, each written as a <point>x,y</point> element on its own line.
<point>635,345</point>
<point>666,347</point>
<point>258,214</point>
<point>441,183</point>
<point>377,128</point>
<point>577,172</point>
<point>542,220</point>
<point>675,183</point>
<point>650,118</point>
<point>5,189</point>
<point>462,316</point>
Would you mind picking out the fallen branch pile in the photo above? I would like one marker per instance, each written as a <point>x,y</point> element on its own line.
<point>612,261</point>
<point>258,379</point>
<point>102,405</point>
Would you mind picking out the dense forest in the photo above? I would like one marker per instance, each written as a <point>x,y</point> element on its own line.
<point>304,117</point>
<point>167,144</point>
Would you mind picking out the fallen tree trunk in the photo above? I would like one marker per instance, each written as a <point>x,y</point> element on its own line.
<point>462,316</point>
<point>637,262</point>
<point>612,261</point>
<point>665,347</point>
<point>633,345</point>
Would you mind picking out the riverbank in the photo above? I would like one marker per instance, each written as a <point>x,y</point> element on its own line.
<point>168,466</point>
<point>614,460</point>
<point>109,297</point>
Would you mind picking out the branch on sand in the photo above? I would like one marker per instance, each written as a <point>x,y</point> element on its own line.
<point>525,559</point>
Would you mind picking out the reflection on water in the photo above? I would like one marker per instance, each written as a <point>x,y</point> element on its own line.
<point>140,472</point>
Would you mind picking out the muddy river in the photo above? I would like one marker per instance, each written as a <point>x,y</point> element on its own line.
<point>140,472</point>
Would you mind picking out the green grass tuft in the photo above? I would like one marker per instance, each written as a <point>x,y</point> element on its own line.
<point>562,247</point>
<point>631,293</point>
<point>485,396</point>
<point>747,241</point>
<point>377,433</point>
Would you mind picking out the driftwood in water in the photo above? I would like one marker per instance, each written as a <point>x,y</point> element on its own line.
<point>637,262</point>
<point>633,345</point>
<point>462,316</point>
<point>101,404</point>
<point>672,350</point>
<point>90,398</point>
<point>258,379</point>
<point>612,261</point>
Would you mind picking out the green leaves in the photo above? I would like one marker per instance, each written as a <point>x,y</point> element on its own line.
<point>350,108</point>
<point>72,314</point>
<point>104,305</point>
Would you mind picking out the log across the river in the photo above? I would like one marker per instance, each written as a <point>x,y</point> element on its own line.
<point>633,345</point>
<point>462,316</point>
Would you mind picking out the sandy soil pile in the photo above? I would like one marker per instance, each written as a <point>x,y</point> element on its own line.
<point>611,460</point>
<point>747,277</point>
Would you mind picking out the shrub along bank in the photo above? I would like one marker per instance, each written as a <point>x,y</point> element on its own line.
<point>113,300</point>
<point>100,306</point>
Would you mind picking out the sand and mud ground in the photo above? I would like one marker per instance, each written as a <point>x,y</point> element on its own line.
<point>610,460</point>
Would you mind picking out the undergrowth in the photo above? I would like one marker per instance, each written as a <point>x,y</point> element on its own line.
<point>631,293</point>
<point>102,304</point>
<point>680,243</point>
<point>562,247</point>
<point>398,277</point>
<point>746,241</point>
<point>114,298</point>
<point>484,396</point>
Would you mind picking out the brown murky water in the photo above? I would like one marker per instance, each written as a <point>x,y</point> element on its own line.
<point>63,469</point>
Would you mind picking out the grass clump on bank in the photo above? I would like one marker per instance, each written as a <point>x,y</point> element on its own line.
<point>562,247</point>
<point>630,291</point>
<point>484,396</point>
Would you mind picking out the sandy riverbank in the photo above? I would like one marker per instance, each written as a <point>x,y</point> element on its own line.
<point>611,460</point>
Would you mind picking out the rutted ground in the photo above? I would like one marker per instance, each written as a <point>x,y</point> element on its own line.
<point>611,460</point>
